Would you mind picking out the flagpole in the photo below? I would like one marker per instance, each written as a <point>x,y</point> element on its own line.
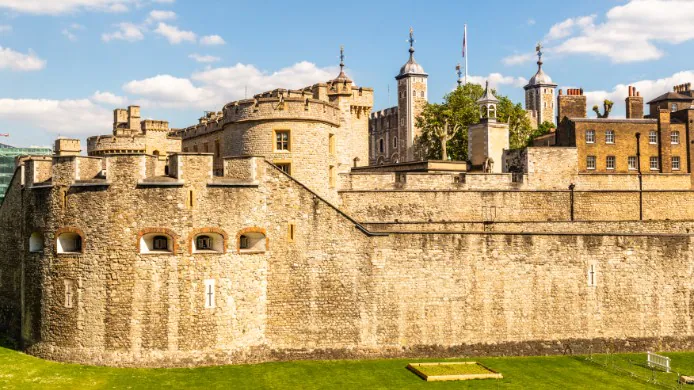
<point>465,51</point>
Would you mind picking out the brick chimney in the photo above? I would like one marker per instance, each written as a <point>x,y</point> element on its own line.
<point>571,105</point>
<point>634,104</point>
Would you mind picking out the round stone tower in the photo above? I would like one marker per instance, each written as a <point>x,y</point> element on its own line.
<point>412,96</point>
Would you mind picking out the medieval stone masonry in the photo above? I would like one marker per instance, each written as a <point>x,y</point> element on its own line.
<point>271,231</point>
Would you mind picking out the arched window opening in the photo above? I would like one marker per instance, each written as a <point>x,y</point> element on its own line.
<point>69,243</point>
<point>381,146</point>
<point>36,242</point>
<point>252,242</point>
<point>156,243</point>
<point>208,243</point>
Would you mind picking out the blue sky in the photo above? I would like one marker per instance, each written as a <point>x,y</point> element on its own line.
<point>64,65</point>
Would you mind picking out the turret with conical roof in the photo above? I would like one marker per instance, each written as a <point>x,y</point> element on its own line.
<point>540,93</point>
<point>412,97</point>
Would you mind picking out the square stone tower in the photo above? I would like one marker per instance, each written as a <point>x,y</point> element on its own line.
<point>539,93</point>
<point>488,139</point>
<point>412,97</point>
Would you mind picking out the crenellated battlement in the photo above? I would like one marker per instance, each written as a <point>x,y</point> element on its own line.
<point>274,105</point>
<point>392,111</point>
<point>142,169</point>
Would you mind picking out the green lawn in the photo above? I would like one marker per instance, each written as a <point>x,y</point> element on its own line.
<point>24,372</point>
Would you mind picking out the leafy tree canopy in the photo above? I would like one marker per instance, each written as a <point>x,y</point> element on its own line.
<point>460,108</point>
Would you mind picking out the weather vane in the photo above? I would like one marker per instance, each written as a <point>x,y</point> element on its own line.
<point>342,56</point>
<point>538,49</point>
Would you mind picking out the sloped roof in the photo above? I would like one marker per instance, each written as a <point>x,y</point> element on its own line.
<point>671,96</point>
<point>5,146</point>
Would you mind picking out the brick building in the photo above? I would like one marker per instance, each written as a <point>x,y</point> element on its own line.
<point>610,145</point>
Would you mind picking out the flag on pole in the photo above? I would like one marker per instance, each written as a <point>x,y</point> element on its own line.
<point>464,42</point>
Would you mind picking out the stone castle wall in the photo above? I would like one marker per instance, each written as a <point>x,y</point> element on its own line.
<point>370,206</point>
<point>332,290</point>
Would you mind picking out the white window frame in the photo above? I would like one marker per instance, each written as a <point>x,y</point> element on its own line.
<point>607,162</point>
<point>210,294</point>
<point>634,166</point>
<point>676,162</point>
<point>652,137</point>
<point>590,136</point>
<point>675,137</point>
<point>653,163</point>
<point>589,160</point>
<point>609,137</point>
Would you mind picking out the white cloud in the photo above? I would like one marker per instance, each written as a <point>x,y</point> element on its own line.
<point>164,1</point>
<point>204,58</point>
<point>69,32</point>
<point>55,7</point>
<point>497,79</point>
<point>167,88</point>
<point>108,98</point>
<point>5,28</point>
<point>530,22</point>
<point>66,117</point>
<point>212,40</point>
<point>630,32</point>
<point>568,27</point>
<point>159,15</point>
<point>212,88</point>
<point>649,89</point>
<point>517,59</point>
<point>10,59</point>
<point>126,31</point>
<point>174,35</point>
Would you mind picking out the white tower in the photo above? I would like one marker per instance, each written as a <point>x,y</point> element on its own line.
<point>540,94</point>
<point>412,96</point>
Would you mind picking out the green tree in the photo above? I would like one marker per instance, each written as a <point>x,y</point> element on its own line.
<point>460,109</point>
<point>544,128</point>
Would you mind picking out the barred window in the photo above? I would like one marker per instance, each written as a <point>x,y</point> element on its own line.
<point>609,137</point>
<point>654,163</point>
<point>590,136</point>
<point>675,137</point>
<point>652,137</point>
<point>675,163</point>
<point>590,162</point>
<point>610,162</point>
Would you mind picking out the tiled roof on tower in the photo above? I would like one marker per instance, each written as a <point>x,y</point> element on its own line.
<point>411,67</point>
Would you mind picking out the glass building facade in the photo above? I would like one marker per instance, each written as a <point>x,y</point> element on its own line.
<point>8,154</point>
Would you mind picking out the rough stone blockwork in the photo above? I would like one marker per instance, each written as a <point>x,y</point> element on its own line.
<point>297,278</point>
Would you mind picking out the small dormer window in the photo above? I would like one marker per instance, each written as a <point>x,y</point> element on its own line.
<point>252,240</point>
<point>69,243</point>
<point>160,243</point>
<point>203,243</point>
<point>243,242</point>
